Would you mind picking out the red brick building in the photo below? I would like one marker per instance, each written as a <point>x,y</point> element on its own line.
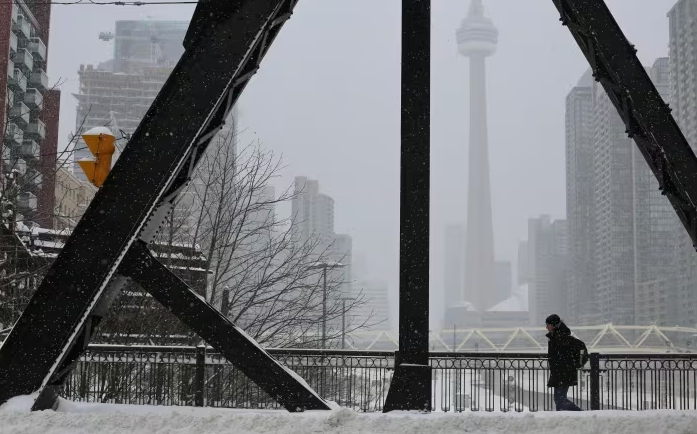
<point>31,109</point>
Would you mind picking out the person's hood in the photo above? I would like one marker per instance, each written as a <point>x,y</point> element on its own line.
<point>559,331</point>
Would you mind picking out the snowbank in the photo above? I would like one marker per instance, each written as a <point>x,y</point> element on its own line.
<point>78,418</point>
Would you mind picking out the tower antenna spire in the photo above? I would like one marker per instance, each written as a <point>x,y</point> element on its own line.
<point>476,9</point>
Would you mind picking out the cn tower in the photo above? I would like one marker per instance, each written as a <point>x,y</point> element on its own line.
<point>476,39</point>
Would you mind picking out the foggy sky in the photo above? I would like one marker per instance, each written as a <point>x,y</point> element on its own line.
<point>327,98</point>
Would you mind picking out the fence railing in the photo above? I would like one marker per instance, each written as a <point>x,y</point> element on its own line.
<point>360,380</point>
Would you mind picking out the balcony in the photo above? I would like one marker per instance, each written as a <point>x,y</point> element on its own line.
<point>18,81</point>
<point>11,163</point>
<point>37,48</point>
<point>39,80</point>
<point>19,114</point>
<point>13,43</point>
<point>19,165</point>
<point>22,28</point>
<point>36,130</point>
<point>32,179</point>
<point>10,98</point>
<point>10,71</point>
<point>23,60</point>
<point>26,202</point>
<point>13,134</point>
<point>29,151</point>
<point>15,12</point>
<point>33,99</point>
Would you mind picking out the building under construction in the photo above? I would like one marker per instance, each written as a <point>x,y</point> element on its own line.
<point>144,43</point>
<point>117,93</point>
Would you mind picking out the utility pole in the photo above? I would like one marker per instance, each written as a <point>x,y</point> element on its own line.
<point>324,306</point>
<point>343,323</point>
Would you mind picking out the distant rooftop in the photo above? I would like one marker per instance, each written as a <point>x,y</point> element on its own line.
<point>518,302</point>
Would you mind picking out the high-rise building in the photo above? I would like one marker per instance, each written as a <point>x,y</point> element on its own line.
<point>621,248</point>
<point>682,20</point>
<point>633,224</point>
<point>453,271</point>
<point>146,43</point>
<point>477,38</point>
<point>504,280</point>
<point>312,212</point>
<point>583,307</point>
<point>31,108</point>
<point>614,211</point>
<point>655,225</point>
<point>682,43</point>
<point>547,251</point>
<point>313,225</point>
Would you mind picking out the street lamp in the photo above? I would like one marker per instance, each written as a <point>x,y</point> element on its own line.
<point>323,265</point>
<point>343,320</point>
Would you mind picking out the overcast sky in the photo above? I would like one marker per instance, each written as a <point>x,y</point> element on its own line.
<point>327,98</point>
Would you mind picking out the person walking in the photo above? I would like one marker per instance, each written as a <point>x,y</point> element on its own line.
<point>565,356</point>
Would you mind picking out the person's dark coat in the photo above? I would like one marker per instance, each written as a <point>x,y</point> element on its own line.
<point>565,356</point>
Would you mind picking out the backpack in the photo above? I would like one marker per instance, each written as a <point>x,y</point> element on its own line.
<point>583,356</point>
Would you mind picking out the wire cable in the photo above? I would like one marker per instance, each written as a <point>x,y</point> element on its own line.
<point>106,3</point>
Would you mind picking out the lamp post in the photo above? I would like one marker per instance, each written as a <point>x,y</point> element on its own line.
<point>324,265</point>
<point>343,323</point>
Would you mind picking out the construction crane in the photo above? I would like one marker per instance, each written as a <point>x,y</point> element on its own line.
<point>155,56</point>
<point>106,36</point>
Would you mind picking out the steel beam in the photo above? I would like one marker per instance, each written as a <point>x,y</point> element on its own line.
<point>223,50</point>
<point>647,117</point>
<point>218,331</point>
<point>411,384</point>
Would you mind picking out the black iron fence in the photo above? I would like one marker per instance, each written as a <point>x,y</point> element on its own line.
<point>360,380</point>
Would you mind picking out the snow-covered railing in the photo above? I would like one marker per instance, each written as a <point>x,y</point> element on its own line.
<point>166,375</point>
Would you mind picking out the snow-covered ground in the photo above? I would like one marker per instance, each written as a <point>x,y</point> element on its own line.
<point>74,418</point>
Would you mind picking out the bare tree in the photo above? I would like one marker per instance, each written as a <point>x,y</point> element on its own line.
<point>225,239</point>
<point>263,277</point>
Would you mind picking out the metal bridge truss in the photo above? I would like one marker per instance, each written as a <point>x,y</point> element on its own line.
<point>224,46</point>
<point>225,43</point>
